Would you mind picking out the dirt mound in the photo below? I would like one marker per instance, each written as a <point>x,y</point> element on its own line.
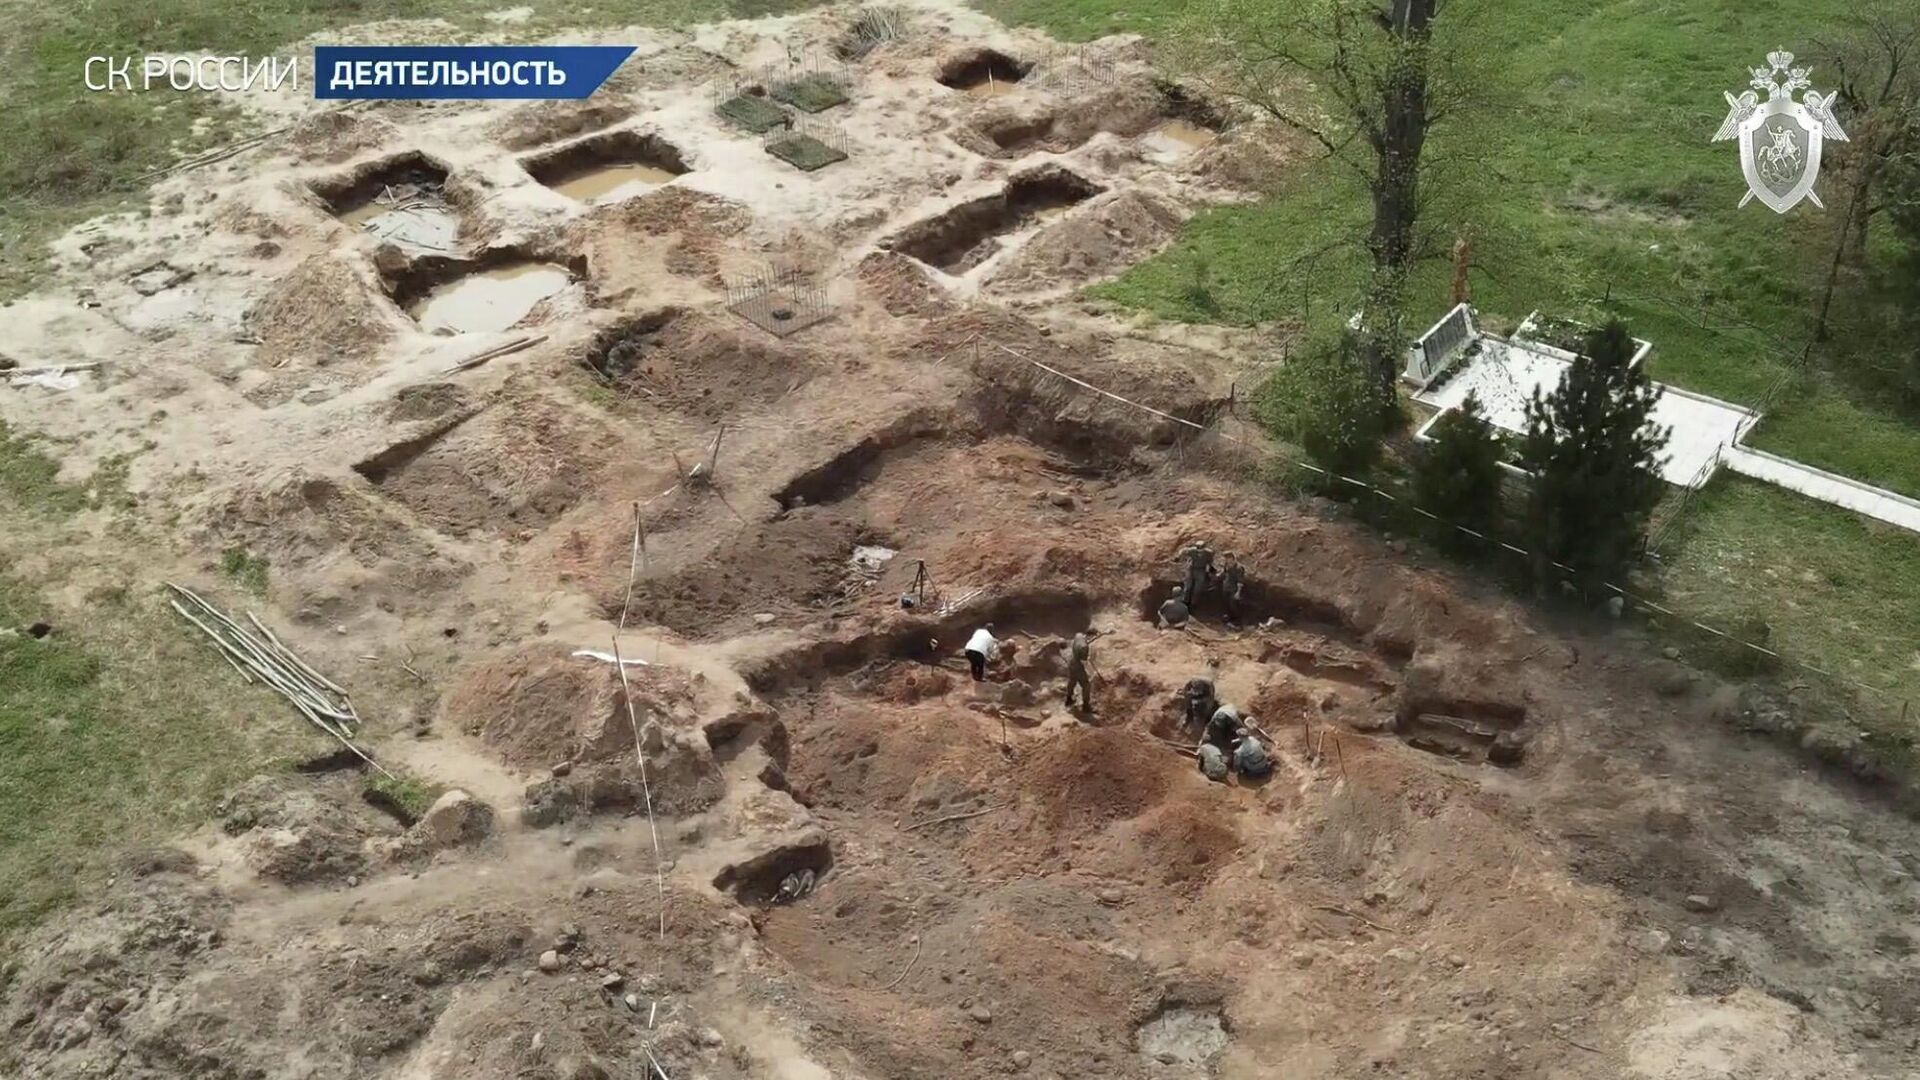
<point>334,535</point>
<point>795,568</point>
<point>706,366</point>
<point>299,830</point>
<point>1093,243</point>
<point>1016,395</point>
<point>541,706</point>
<point>551,121</point>
<point>333,135</point>
<point>512,469</point>
<point>1093,777</point>
<point>327,311</point>
<point>695,225</point>
<point>1181,842</point>
<point>1254,157</point>
<point>902,286</point>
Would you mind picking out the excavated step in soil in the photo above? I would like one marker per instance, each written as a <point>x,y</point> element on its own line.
<point>607,168</point>
<point>983,73</point>
<point>967,235</point>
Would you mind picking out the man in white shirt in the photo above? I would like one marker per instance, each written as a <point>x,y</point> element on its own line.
<point>981,647</point>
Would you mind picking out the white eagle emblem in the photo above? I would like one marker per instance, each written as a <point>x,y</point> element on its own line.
<point>1780,138</point>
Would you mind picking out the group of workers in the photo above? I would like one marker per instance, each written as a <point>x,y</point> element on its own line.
<point>1229,742</point>
<point>1201,577</point>
<point>983,647</point>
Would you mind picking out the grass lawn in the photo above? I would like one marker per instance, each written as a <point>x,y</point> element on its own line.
<point>1753,553</point>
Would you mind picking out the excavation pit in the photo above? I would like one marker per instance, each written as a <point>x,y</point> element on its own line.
<point>693,364</point>
<point>608,168</point>
<point>969,234</point>
<point>477,296</point>
<point>400,200</point>
<point>620,352</point>
<point>986,73</point>
<point>1182,1035</point>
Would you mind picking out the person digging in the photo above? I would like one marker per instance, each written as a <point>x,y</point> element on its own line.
<point>981,648</point>
<point>1079,672</point>
<point>1199,559</point>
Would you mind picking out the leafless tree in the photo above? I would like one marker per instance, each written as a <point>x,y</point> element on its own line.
<point>1368,80</point>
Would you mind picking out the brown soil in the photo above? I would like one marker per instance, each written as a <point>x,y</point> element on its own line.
<point>1496,843</point>
<point>1096,243</point>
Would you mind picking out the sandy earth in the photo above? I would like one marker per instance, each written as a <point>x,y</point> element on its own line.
<point>1003,887</point>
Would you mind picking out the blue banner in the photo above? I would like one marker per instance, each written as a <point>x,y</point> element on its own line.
<point>381,72</point>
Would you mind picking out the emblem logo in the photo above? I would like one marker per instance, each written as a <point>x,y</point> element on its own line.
<point>1780,138</point>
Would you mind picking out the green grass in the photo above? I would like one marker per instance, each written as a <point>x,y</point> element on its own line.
<point>1835,590</point>
<point>119,729</point>
<point>30,480</point>
<point>407,793</point>
<point>804,152</point>
<point>71,154</point>
<point>755,114</point>
<point>247,570</point>
<point>811,93</point>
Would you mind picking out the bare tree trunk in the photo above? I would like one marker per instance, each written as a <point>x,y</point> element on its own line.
<point>1401,137</point>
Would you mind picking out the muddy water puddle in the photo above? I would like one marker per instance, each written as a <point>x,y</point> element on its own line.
<point>1180,137</point>
<point>613,182</point>
<point>489,300</point>
<point>432,227</point>
<point>991,88</point>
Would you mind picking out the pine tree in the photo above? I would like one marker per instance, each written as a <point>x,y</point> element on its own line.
<point>1594,455</point>
<point>1458,478</point>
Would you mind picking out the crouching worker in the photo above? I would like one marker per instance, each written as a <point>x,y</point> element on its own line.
<point>1223,728</point>
<point>1213,762</point>
<point>1250,757</point>
<point>1197,699</point>
<point>982,647</point>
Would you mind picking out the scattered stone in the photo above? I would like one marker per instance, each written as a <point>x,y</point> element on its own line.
<point>537,1043</point>
<point>549,961</point>
<point>765,618</point>
<point>1111,896</point>
<point>710,1039</point>
<point>633,1002</point>
<point>1456,960</point>
<point>1061,499</point>
<point>1701,903</point>
<point>612,981</point>
<point>1509,749</point>
<point>1651,942</point>
<point>562,769</point>
<point>1670,653</point>
<point>456,818</point>
<point>1021,1060</point>
<point>981,1014</point>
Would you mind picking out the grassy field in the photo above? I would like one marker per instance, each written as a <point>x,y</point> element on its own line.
<point>1756,556</point>
<point>116,729</point>
<point>1599,189</point>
